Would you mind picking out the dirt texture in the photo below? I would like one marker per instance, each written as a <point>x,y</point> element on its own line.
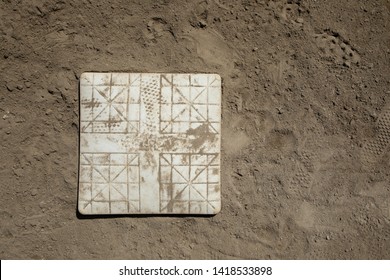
<point>305,125</point>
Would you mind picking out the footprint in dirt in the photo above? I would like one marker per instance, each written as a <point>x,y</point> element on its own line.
<point>288,13</point>
<point>312,155</point>
<point>212,49</point>
<point>304,170</point>
<point>336,49</point>
<point>380,192</point>
<point>281,141</point>
<point>374,149</point>
<point>156,28</point>
<point>318,218</point>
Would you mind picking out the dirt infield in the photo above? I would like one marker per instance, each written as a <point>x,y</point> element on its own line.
<point>305,125</point>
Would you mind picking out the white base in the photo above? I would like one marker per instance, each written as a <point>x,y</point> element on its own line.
<point>150,143</point>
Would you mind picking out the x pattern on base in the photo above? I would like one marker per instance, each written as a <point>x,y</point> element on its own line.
<point>120,106</point>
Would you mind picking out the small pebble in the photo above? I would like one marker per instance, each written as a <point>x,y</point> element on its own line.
<point>202,23</point>
<point>347,64</point>
<point>10,87</point>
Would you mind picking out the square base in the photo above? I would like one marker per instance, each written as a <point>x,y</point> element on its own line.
<point>149,143</point>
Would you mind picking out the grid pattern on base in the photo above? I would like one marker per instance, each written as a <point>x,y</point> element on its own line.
<point>109,183</point>
<point>189,183</point>
<point>149,143</point>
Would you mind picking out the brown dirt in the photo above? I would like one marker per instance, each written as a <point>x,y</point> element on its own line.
<point>306,125</point>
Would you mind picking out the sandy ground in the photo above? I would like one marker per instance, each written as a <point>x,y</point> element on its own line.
<point>306,125</point>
